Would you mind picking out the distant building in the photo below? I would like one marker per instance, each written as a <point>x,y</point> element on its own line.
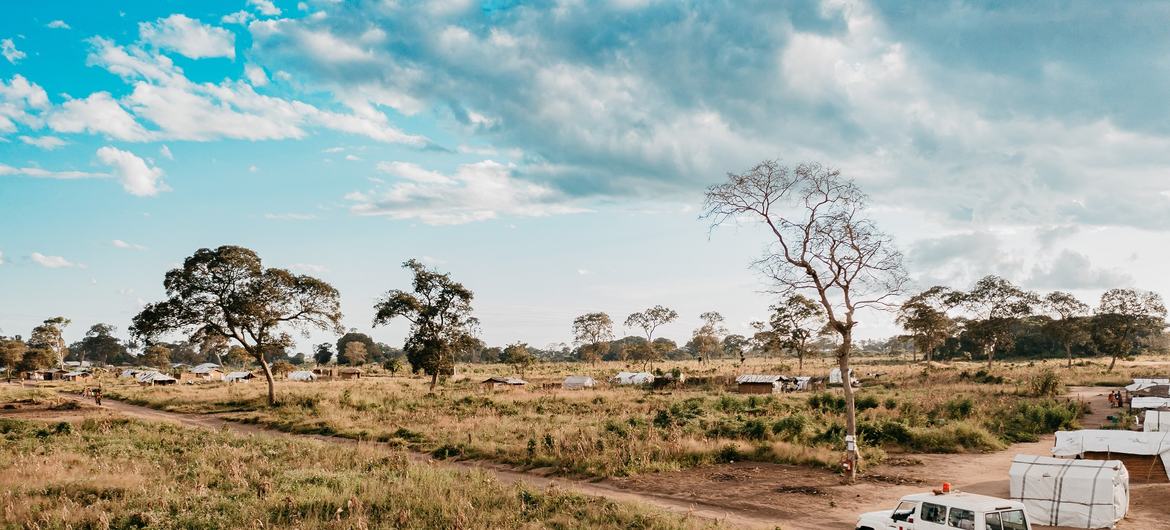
<point>632,378</point>
<point>239,377</point>
<point>152,378</point>
<point>578,382</point>
<point>302,375</point>
<point>338,372</point>
<point>759,384</point>
<point>504,383</point>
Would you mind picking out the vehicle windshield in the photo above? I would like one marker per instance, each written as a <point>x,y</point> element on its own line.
<point>1013,520</point>
<point>904,511</point>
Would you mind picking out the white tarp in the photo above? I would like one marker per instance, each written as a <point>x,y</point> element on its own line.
<point>633,378</point>
<point>1071,493</point>
<point>1156,421</point>
<point>1076,443</point>
<point>1149,402</point>
<point>578,381</point>
<point>302,375</point>
<point>1140,384</point>
<point>835,377</point>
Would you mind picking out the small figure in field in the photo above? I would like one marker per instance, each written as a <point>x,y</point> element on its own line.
<point>1112,399</point>
<point>1120,402</point>
<point>97,397</point>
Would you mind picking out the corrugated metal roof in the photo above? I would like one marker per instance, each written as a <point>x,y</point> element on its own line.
<point>506,380</point>
<point>757,378</point>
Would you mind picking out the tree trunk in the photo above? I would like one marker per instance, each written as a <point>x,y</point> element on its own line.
<point>434,380</point>
<point>1068,351</point>
<point>990,352</point>
<point>271,382</point>
<point>800,360</point>
<point>850,410</point>
<point>1113,361</point>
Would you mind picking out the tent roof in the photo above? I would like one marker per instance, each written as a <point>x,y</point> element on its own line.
<point>1140,384</point>
<point>578,379</point>
<point>1073,443</point>
<point>756,378</point>
<point>1149,402</point>
<point>505,380</point>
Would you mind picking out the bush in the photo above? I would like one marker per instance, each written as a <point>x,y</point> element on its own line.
<point>754,430</point>
<point>1046,384</point>
<point>825,402</point>
<point>1027,421</point>
<point>959,408</point>
<point>791,427</point>
<point>865,403</point>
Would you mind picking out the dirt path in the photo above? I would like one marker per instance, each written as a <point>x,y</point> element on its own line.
<point>759,495</point>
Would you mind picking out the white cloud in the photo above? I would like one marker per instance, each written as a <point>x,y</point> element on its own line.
<point>165,152</point>
<point>353,158</point>
<point>44,142</point>
<point>8,49</point>
<point>49,174</point>
<point>265,7</point>
<point>584,272</point>
<point>18,99</point>
<point>475,192</point>
<point>252,168</point>
<point>58,24</point>
<point>290,216</point>
<point>189,37</point>
<point>128,246</point>
<point>1,257</point>
<point>239,17</point>
<point>53,262</point>
<point>255,75</point>
<point>98,113</point>
<point>138,178</point>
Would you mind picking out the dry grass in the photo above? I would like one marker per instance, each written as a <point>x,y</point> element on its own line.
<point>614,431</point>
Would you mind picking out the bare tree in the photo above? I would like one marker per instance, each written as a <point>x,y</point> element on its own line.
<point>823,245</point>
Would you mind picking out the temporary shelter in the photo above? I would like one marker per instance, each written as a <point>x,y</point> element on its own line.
<point>577,382</point>
<point>759,384</point>
<point>633,378</point>
<point>1143,453</point>
<point>1070,493</point>
<point>236,377</point>
<point>1156,421</point>
<point>495,382</point>
<point>154,378</point>
<point>835,377</point>
<point>302,375</point>
<point>1142,384</point>
<point>1149,402</point>
<point>73,376</point>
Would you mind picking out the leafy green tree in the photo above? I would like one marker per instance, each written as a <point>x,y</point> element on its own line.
<point>48,340</point>
<point>11,354</point>
<point>227,292</point>
<point>997,306</point>
<point>924,317</point>
<point>372,351</point>
<point>734,345</point>
<point>323,353</point>
<point>298,359</point>
<point>794,321</point>
<point>1069,327</point>
<point>100,346</point>
<point>439,312</point>
<point>707,339</point>
<point>518,357</point>
<point>592,332</point>
<point>649,320</point>
<point>1124,316</point>
<point>355,353</point>
<point>822,244</point>
<point>282,367</point>
<point>156,356</point>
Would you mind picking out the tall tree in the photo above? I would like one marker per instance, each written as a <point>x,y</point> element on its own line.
<point>996,305</point>
<point>649,320</point>
<point>734,345</point>
<point>707,339</point>
<point>823,245</point>
<point>49,341</point>
<point>323,353</point>
<point>156,356</point>
<point>101,346</point>
<point>1124,316</point>
<point>227,292</point>
<point>11,354</point>
<point>794,321</point>
<point>1068,327</point>
<point>355,353</point>
<point>373,353</point>
<point>439,312</point>
<point>517,356</point>
<point>924,317</point>
<point>592,333</point>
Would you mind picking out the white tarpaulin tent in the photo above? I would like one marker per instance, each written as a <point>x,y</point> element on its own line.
<point>1072,493</point>
<point>1149,402</point>
<point>1141,384</point>
<point>1077,443</point>
<point>1156,421</point>
<point>835,377</point>
<point>633,378</point>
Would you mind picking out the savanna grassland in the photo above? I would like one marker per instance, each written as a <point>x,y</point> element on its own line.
<point>108,472</point>
<point>621,431</point>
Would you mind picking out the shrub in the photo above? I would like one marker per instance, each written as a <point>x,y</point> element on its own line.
<point>825,402</point>
<point>865,403</point>
<point>1046,384</point>
<point>754,430</point>
<point>791,427</point>
<point>959,408</point>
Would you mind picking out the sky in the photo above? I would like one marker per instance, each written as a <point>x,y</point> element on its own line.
<point>552,156</point>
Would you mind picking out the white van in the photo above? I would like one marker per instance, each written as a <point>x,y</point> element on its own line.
<point>948,511</point>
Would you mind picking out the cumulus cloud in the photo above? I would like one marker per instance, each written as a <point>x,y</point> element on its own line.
<point>1,257</point>
<point>265,7</point>
<point>189,37</point>
<point>118,243</point>
<point>255,75</point>
<point>239,17</point>
<point>165,152</point>
<point>137,176</point>
<point>1074,270</point>
<point>475,192</point>
<point>20,103</point>
<point>47,143</point>
<point>98,113</point>
<point>53,262</point>
<point>58,24</point>
<point>9,51</point>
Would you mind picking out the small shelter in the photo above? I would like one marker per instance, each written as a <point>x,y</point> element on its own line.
<point>302,375</point>
<point>349,372</point>
<point>496,382</point>
<point>1149,402</point>
<point>835,377</point>
<point>154,377</point>
<point>203,372</point>
<point>1156,421</point>
<point>338,372</point>
<point>1070,493</point>
<point>1143,453</point>
<point>205,366</point>
<point>759,384</point>
<point>238,377</point>
<point>632,378</point>
<point>1142,384</point>
<point>578,382</point>
<point>74,376</point>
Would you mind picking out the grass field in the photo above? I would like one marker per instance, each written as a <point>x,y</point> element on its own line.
<point>616,431</point>
<point>117,473</point>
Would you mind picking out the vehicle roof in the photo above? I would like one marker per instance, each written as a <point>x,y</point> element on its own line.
<point>966,501</point>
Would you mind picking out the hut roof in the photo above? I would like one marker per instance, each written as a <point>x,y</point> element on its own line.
<point>758,379</point>
<point>505,380</point>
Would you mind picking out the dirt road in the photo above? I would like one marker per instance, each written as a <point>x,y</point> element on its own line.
<point>759,495</point>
